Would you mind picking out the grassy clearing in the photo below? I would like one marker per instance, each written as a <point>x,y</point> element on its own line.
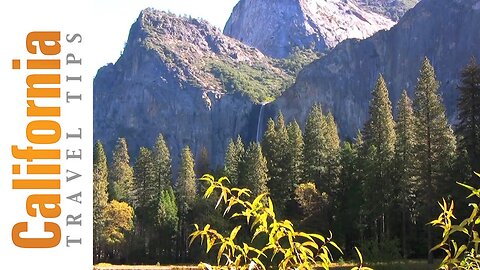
<point>398,265</point>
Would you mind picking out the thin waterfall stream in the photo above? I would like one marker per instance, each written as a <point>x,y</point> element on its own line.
<point>259,122</point>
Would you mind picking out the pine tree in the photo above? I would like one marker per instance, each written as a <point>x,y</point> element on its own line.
<point>468,127</point>
<point>333,153</point>
<point>186,182</point>
<point>269,139</point>
<point>275,147</point>
<point>186,197</point>
<point>100,196</point>
<point>145,200</point>
<point>405,162</point>
<point>380,142</point>
<point>121,174</point>
<point>233,157</point>
<point>163,164</point>
<point>347,225</point>
<point>167,222</point>
<point>315,148</point>
<point>146,185</point>
<point>435,149</point>
<point>231,162</point>
<point>295,154</point>
<point>253,170</point>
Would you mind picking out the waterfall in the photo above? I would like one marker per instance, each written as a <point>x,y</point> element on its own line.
<point>259,122</point>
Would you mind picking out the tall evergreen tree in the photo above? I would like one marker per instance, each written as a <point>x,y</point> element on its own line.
<point>347,225</point>
<point>162,164</point>
<point>468,127</point>
<point>167,222</point>
<point>380,137</point>
<point>295,154</point>
<point>333,153</point>
<point>100,197</point>
<point>253,170</point>
<point>121,174</point>
<point>275,147</point>
<point>233,157</point>
<point>146,185</point>
<point>405,162</point>
<point>435,149</point>
<point>315,152</point>
<point>186,197</point>
<point>186,182</point>
<point>146,201</point>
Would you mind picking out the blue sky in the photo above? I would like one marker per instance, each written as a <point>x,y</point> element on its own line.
<point>114,18</point>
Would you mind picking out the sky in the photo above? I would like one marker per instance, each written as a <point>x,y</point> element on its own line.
<point>114,18</point>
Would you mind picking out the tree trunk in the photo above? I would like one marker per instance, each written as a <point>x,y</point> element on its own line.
<point>404,232</point>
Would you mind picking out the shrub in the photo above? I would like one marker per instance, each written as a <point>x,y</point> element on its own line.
<point>288,248</point>
<point>459,254</point>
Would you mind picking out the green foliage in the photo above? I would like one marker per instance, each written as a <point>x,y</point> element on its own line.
<point>404,147</point>
<point>295,154</point>
<point>297,60</point>
<point>253,170</point>
<point>459,254</point>
<point>349,197</point>
<point>315,145</point>
<point>167,224</point>
<point>186,192</point>
<point>406,185</point>
<point>186,187</point>
<point>258,82</point>
<point>292,249</point>
<point>468,126</point>
<point>383,251</point>
<point>275,148</point>
<point>233,157</point>
<point>163,164</point>
<point>100,194</point>
<point>167,216</point>
<point>146,185</point>
<point>380,141</point>
<point>435,150</point>
<point>121,174</point>
<point>333,154</point>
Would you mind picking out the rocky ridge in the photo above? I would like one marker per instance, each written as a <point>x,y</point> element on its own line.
<point>445,31</point>
<point>179,76</point>
<point>393,9</point>
<point>276,27</point>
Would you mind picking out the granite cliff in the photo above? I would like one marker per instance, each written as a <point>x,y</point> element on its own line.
<point>276,27</point>
<point>393,9</point>
<point>445,31</point>
<point>182,77</point>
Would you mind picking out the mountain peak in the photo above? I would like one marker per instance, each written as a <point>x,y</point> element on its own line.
<point>277,27</point>
<point>194,50</point>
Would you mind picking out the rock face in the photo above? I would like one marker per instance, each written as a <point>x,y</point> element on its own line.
<point>393,9</point>
<point>445,31</point>
<point>164,83</point>
<point>276,27</point>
